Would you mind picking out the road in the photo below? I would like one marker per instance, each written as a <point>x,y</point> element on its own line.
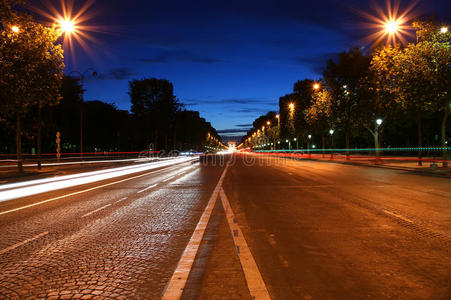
<point>302,229</point>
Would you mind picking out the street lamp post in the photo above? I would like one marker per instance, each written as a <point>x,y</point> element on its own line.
<point>331,143</point>
<point>308,144</point>
<point>82,76</point>
<point>376,137</point>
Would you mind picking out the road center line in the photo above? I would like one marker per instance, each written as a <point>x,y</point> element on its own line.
<point>94,211</point>
<point>397,216</point>
<point>169,178</point>
<point>147,188</point>
<point>120,200</point>
<point>76,193</point>
<point>23,242</point>
<point>254,279</point>
<point>176,284</point>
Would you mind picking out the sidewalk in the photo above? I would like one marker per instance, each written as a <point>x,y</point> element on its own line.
<point>397,163</point>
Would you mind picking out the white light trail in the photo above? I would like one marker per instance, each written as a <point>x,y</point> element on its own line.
<point>39,186</point>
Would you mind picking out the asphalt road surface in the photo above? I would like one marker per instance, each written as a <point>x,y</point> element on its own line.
<point>262,228</point>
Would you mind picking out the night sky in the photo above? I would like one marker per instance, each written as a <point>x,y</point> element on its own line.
<point>230,60</point>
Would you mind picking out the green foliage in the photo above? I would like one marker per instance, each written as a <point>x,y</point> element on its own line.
<point>31,65</point>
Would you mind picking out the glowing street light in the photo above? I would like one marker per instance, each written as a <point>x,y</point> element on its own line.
<point>309,136</point>
<point>392,26</point>
<point>291,106</point>
<point>268,123</point>
<point>316,86</point>
<point>379,122</point>
<point>15,29</point>
<point>331,131</point>
<point>277,116</point>
<point>66,25</point>
<point>444,29</point>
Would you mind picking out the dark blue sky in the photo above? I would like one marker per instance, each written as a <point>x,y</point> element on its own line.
<point>230,60</point>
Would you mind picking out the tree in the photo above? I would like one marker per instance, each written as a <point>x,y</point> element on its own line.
<point>419,75</point>
<point>155,106</point>
<point>318,114</point>
<point>344,80</point>
<point>31,67</point>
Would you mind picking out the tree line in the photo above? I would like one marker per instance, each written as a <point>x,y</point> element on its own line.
<point>390,96</point>
<point>37,101</point>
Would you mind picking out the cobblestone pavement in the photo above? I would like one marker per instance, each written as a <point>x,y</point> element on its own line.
<point>316,231</point>
<point>112,242</point>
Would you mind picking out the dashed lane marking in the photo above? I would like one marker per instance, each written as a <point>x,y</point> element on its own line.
<point>79,192</point>
<point>94,211</point>
<point>397,216</point>
<point>254,279</point>
<point>176,284</point>
<point>120,200</point>
<point>23,242</point>
<point>169,178</point>
<point>147,188</point>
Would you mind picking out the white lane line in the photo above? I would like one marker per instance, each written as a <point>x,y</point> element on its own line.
<point>169,178</point>
<point>176,284</point>
<point>397,216</point>
<point>120,200</point>
<point>147,188</point>
<point>94,211</point>
<point>76,193</point>
<point>254,279</point>
<point>23,242</point>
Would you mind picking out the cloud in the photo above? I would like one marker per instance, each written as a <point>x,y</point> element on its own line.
<point>240,101</point>
<point>165,56</point>
<point>244,125</point>
<point>229,131</point>
<point>316,62</point>
<point>116,74</point>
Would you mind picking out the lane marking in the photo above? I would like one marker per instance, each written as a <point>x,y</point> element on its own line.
<point>23,242</point>
<point>94,211</point>
<point>169,178</point>
<point>79,192</point>
<point>147,188</point>
<point>122,199</point>
<point>254,279</point>
<point>397,216</point>
<point>176,284</point>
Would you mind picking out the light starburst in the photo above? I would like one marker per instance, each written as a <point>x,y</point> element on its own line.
<point>390,24</point>
<point>72,19</point>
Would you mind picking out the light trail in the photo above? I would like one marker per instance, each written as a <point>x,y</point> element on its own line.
<point>39,186</point>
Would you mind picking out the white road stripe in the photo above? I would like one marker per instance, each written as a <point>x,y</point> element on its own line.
<point>23,242</point>
<point>94,211</point>
<point>147,188</point>
<point>169,178</point>
<point>254,279</point>
<point>76,193</point>
<point>122,199</point>
<point>176,284</point>
<point>397,216</point>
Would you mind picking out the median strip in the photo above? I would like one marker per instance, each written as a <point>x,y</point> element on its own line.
<point>255,283</point>
<point>176,284</point>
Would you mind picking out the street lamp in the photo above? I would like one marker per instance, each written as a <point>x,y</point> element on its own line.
<point>379,122</point>
<point>392,26</point>
<point>331,132</point>
<point>444,29</point>
<point>15,29</point>
<point>66,25</point>
<point>316,86</point>
<point>291,106</point>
